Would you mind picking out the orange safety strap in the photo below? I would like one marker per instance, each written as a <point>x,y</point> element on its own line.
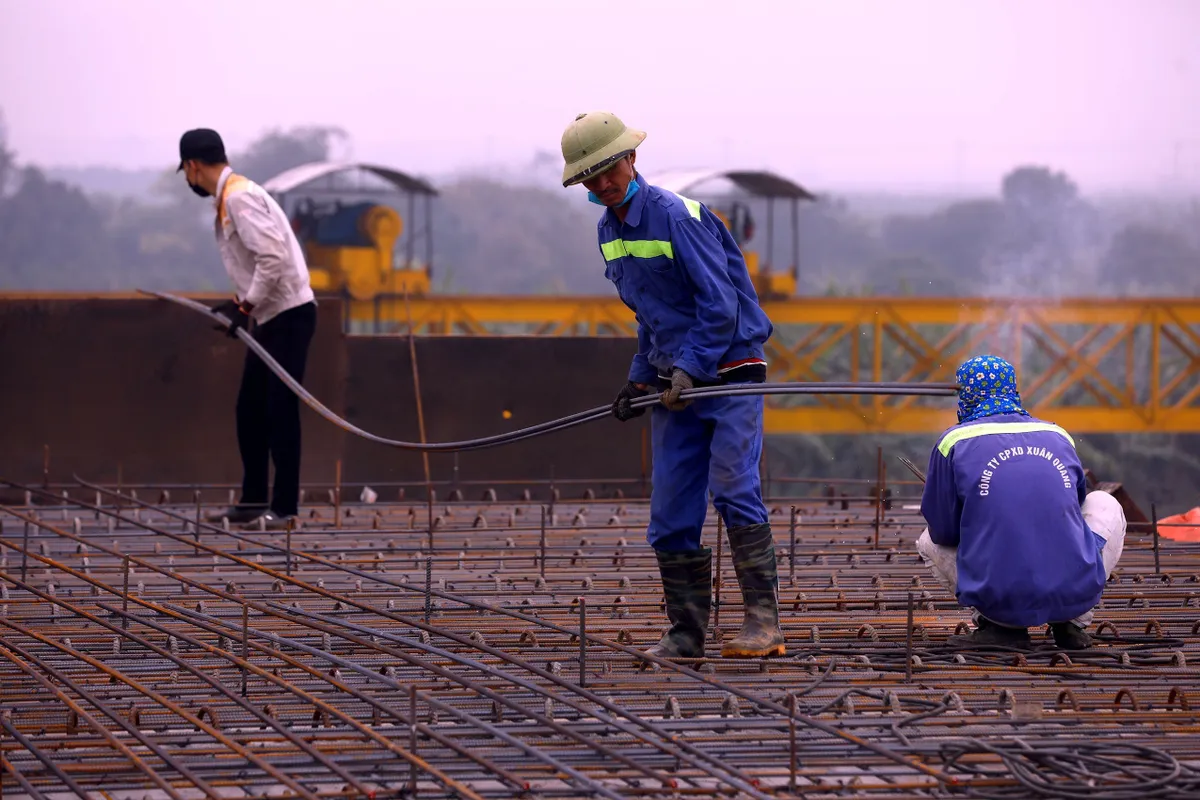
<point>230,182</point>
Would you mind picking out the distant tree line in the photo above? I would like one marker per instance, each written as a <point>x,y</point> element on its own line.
<point>1038,236</point>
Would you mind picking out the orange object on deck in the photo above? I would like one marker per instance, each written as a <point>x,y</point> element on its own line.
<point>1183,527</point>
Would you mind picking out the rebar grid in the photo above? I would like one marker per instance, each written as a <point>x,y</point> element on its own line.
<point>398,648</point>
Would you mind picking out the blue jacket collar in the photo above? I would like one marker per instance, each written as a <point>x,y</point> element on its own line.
<point>634,216</point>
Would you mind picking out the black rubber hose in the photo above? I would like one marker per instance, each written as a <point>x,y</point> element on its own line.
<point>600,412</point>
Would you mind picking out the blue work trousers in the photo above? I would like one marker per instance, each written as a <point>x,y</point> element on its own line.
<point>713,444</point>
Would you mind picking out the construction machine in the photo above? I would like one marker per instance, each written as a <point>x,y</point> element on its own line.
<point>729,194</point>
<point>769,284</point>
<point>354,239</point>
<point>351,249</point>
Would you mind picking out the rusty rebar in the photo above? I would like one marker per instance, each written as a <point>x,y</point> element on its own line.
<point>331,629</point>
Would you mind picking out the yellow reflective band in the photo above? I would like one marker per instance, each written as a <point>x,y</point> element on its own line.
<point>613,250</point>
<point>234,183</point>
<point>693,206</point>
<point>986,428</point>
<point>645,248</point>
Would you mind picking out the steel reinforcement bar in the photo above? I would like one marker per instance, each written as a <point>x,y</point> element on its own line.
<point>491,649</point>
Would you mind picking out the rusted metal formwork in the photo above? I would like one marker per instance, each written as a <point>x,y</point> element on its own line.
<point>138,390</point>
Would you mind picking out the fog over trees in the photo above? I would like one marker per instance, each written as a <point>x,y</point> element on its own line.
<point>517,231</point>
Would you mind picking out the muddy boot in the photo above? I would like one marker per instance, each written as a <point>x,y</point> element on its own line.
<point>687,584</point>
<point>989,634</point>
<point>754,561</point>
<point>1069,636</point>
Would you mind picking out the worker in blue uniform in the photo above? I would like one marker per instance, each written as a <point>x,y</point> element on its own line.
<point>678,268</point>
<point>1013,531</point>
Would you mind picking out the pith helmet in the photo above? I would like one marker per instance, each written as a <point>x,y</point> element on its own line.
<point>593,143</point>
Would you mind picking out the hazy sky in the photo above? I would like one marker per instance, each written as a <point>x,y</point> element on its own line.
<point>840,93</point>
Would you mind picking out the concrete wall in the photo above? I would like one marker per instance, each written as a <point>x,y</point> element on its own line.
<point>150,386</point>
<point>466,386</point>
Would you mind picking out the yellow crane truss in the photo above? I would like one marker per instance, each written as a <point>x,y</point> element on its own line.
<point>1091,365</point>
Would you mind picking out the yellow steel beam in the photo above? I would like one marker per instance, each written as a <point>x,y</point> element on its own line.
<point>810,420</point>
<point>1092,365</point>
<point>797,311</point>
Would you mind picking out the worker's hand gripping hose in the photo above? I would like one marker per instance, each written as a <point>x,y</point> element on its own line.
<point>601,412</point>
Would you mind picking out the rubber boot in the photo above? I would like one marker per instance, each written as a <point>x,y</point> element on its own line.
<point>1069,636</point>
<point>687,585</point>
<point>754,561</point>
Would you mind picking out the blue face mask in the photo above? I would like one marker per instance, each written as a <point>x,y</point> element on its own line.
<point>630,191</point>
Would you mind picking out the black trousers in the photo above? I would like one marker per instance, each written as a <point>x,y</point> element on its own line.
<point>268,413</point>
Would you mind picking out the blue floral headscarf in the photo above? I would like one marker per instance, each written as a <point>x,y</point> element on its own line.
<point>987,385</point>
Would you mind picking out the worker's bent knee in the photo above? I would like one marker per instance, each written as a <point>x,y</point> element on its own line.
<point>1100,502</point>
<point>939,557</point>
<point>1103,514</point>
<point>925,545</point>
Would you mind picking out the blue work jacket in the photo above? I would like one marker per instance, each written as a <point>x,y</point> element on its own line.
<point>677,267</point>
<point>1007,491</point>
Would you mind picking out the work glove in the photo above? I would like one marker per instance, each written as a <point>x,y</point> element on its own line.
<point>680,381</point>
<point>622,408</point>
<point>233,310</point>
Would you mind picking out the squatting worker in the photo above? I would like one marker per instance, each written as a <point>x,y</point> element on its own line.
<point>679,270</point>
<point>1013,531</point>
<point>274,300</point>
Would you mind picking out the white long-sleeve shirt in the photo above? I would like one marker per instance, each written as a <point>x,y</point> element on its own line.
<point>259,249</point>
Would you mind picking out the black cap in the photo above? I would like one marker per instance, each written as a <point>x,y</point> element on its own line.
<point>202,144</point>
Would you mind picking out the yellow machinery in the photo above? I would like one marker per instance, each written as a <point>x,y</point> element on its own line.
<point>769,284</point>
<point>730,195</point>
<point>351,241</point>
<point>356,243</point>
<point>350,251</point>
